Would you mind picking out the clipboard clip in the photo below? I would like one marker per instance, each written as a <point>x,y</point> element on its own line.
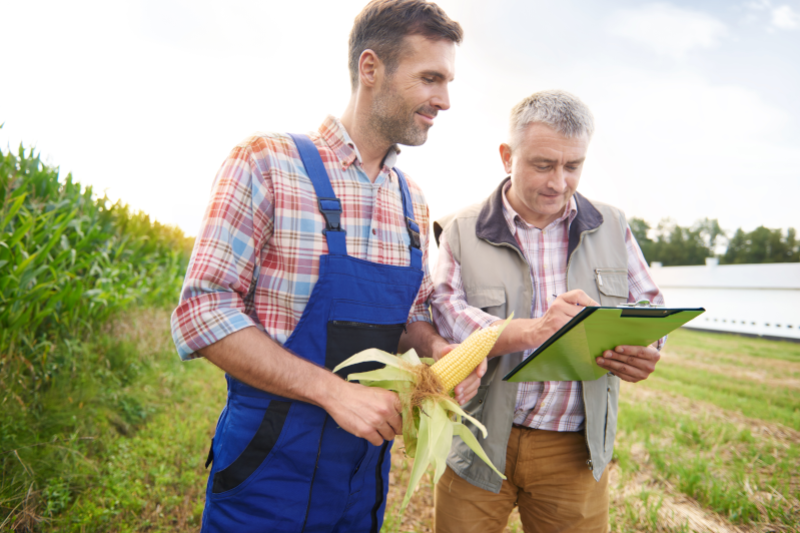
<point>640,303</point>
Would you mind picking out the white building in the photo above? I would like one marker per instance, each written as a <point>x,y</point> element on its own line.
<point>761,299</point>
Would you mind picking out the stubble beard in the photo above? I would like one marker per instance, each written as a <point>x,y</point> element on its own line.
<point>393,121</point>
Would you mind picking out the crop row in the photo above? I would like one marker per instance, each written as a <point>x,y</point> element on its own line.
<point>69,260</point>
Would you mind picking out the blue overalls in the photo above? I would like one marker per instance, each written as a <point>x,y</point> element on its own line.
<point>285,466</point>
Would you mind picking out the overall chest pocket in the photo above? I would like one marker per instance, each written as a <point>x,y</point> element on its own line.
<point>612,284</point>
<point>346,338</point>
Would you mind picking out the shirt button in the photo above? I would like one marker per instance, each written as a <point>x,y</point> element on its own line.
<point>374,232</point>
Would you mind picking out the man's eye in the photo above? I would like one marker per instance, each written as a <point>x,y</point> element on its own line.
<point>428,80</point>
<point>543,169</point>
<point>571,169</point>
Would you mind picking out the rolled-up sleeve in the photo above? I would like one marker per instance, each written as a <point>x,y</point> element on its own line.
<point>454,317</point>
<point>640,284</point>
<point>236,225</point>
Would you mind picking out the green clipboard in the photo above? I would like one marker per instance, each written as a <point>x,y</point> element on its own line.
<point>569,355</point>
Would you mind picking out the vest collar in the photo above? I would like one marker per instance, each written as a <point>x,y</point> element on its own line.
<point>491,225</point>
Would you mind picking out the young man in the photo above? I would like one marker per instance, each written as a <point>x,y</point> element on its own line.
<point>539,249</point>
<point>314,248</point>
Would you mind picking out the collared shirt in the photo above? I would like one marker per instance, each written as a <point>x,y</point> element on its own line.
<point>550,405</point>
<point>256,257</point>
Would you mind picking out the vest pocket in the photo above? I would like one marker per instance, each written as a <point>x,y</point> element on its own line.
<point>256,451</point>
<point>612,284</point>
<point>491,300</point>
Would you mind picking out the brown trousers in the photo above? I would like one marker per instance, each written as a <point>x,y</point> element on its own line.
<point>548,479</point>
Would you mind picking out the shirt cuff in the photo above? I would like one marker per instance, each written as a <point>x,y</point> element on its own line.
<point>201,322</point>
<point>420,314</point>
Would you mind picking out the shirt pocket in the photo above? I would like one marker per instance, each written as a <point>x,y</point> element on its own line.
<point>612,284</point>
<point>489,300</point>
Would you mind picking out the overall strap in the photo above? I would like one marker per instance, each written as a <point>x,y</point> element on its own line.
<point>329,205</point>
<point>411,225</point>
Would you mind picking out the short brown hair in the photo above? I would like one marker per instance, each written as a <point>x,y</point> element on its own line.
<point>382,24</point>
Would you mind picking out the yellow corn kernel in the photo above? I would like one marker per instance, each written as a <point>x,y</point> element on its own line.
<point>457,365</point>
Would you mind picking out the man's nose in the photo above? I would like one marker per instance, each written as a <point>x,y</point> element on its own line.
<point>557,181</point>
<point>441,100</point>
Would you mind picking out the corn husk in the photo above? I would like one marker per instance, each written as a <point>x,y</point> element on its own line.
<point>431,418</point>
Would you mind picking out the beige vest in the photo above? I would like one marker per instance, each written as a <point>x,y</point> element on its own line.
<point>497,279</point>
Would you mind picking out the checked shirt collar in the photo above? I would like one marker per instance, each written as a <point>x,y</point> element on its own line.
<point>336,137</point>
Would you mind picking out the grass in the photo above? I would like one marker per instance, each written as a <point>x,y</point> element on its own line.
<point>119,446</point>
<point>690,342</point>
<point>123,449</point>
<point>720,464</point>
<point>757,400</point>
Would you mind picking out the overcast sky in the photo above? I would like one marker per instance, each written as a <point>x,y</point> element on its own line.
<point>696,103</point>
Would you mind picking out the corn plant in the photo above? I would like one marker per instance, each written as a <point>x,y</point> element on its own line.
<point>68,260</point>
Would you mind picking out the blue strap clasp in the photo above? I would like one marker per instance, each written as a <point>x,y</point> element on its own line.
<point>331,209</point>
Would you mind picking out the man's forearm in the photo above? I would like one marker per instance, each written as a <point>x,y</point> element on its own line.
<point>250,356</point>
<point>528,333</point>
<point>521,334</point>
<point>423,338</point>
<point>253,358</point>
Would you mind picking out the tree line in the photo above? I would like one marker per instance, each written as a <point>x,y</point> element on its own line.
<point>672,245</point>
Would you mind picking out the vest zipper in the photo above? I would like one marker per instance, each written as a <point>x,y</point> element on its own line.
<point>583,389</point>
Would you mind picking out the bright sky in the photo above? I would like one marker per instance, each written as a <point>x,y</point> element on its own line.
<point>696,103</point>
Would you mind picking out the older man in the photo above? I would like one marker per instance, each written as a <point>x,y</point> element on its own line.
<point>537,248</point>
<point>314,247</point>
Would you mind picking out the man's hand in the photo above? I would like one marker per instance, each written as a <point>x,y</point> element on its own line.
<point>561,311</point>
<point>467,389</point>
<point>630,363</point>
<point>368,412</point>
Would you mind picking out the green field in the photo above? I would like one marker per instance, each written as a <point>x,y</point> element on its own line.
<point>710,443</point>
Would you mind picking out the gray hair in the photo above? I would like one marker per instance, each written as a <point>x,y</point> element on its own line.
<point>560,110</point>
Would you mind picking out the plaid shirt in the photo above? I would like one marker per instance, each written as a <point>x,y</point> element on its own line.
<point>256,257</point>
<point>549,405</point>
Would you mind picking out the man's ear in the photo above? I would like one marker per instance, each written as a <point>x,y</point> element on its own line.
<point>369,68</point>
<point>505,155</point>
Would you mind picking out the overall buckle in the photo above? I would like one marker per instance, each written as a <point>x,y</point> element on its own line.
<point>331,209</point>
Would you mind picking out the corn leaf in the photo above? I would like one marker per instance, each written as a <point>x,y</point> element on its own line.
<point>383,374</point>
<point>396,386</point>
<point>371,355</point>
<point>410,430</point>
<point>421,460</point>
<point>469,439</point>
<point>411,357</point>
<point>454,407</point>
<point>441,438</point>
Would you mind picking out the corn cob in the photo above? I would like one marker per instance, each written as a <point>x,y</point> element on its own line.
<point>454,367</point>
